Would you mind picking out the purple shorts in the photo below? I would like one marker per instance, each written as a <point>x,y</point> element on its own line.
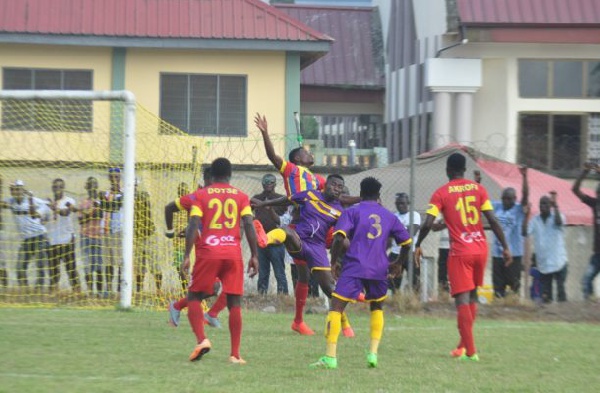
<point>315,255</point>
<point>348,288</point>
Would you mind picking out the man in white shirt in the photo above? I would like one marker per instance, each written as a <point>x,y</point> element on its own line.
<point>402,204</point>
<point>28,213</point>
<point>61,236</point>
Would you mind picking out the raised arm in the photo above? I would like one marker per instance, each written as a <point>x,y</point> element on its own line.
<point>252,242</point>
<point>524,186</point>
<point>261,123</point>
<point>587,167</point>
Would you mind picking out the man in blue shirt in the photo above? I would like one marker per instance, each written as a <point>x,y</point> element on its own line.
<point>510,215</point>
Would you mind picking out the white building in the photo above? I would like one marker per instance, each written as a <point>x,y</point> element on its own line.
<point>520,82</point>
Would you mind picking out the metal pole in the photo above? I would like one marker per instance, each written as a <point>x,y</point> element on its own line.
<point>128,196</point>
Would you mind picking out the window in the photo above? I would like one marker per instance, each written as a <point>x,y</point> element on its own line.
<point>559,79</point>
<point>47,115</point>
<point>204,104</point>
<point>552,142</point>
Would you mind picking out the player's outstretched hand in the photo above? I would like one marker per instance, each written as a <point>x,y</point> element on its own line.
<point>261,123</point>
<point>252,267</point>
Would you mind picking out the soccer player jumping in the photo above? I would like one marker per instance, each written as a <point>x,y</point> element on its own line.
<point>460,201</point>
<point>365,266</point>
<point>319,211</point>
<point>219,208</point>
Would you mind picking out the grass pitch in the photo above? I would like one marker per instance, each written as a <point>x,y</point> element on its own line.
<point>68,350</point>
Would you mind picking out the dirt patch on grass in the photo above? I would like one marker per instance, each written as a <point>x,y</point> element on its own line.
<point>511,308</point>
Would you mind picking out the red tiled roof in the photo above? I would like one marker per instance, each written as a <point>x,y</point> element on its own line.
<point>174,19</point>
<point>353,58</point>
<point>529,12</point>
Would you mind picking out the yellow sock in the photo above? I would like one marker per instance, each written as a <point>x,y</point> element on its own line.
<point>345,321</point>
<point>332,332</point>
<point>376,330</point>
<point>276,236</point>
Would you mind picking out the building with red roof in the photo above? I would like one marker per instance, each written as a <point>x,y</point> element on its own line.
<point>175,56</point>
<point>517,79</point>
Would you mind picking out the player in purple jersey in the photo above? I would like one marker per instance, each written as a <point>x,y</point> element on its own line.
<point>319,211</point>
<point>365,265</point>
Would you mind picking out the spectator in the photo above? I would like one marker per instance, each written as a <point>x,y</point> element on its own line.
<point>111,202</point>
<point>90,217</point>
<point>29,212</point>
<point>594,265</point>
<point>547,229</point>
<point>61,236</point>
<point>402,204</point>
<point>274,254</point>
<point>510,215</point>
<point>144,242</point>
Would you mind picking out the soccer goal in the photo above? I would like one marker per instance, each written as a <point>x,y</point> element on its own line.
<point>84,178</point>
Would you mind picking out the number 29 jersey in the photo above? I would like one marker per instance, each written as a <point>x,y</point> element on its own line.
<point>220,208</point>
<point>461,202</point>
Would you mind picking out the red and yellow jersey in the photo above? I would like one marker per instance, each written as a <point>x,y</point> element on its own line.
<point>298,178</point>
<point>461,202</point>
<point>220,207</point>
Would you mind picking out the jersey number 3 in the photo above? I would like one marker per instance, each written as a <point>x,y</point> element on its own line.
<point>467,209</point>
<point>376,225</point>
<point>227,208</point>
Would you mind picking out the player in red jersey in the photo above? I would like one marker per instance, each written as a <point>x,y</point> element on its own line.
<point>460,201</point>
<point>221,210</point>
<point>184,203</point>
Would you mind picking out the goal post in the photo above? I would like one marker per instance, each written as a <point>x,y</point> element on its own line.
<point>129,127</point>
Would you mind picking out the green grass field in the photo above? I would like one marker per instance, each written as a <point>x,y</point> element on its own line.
<point>68,350</point>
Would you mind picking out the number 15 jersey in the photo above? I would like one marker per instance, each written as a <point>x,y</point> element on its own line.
<point>461,202</point>
<point>220,207</point>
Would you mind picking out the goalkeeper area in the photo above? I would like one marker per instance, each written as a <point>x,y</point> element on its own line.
<point>71,252</point>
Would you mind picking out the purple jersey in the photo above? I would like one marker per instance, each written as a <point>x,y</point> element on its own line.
<point>368,225</point>
<point>316,215</point>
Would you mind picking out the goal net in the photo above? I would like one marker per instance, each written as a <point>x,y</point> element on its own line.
<point>79,208</point>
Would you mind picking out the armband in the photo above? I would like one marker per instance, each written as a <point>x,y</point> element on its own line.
<point>170,233</point>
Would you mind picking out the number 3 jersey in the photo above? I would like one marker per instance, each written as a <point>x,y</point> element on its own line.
<point>461,202</point>
<point>220,208</point>
<point>369,225</point>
